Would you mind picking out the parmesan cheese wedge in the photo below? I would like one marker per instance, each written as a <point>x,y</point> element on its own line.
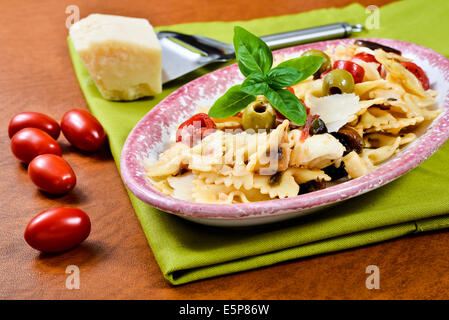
<point>122,54</point>
<point>335,110</point>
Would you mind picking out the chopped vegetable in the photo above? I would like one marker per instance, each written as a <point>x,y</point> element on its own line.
<point>194,129</point>
<point>373,46</point>
<point>418,73</point>
<point>350,139</point>
<point>364,56</point>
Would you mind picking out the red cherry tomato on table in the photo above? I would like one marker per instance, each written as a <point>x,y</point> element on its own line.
<point>34,120</point>
<point>195,129</point>
<point>57,229</point>
<point>368,58</point>
<point>418,72</point>
<point>353,68</point>
<point>28,143</point>
<point>52,174</point>
<point>83,130</point>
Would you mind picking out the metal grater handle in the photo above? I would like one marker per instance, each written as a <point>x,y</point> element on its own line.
<point>326,32</point>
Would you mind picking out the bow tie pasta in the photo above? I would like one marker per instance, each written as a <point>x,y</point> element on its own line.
<point>348,133</point>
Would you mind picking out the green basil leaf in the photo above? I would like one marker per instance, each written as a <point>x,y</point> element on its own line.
<point>288,104</point>
<point>253,55</point>
<point>282,77</point>
<point>308,65</point>
<point>233,101</point>
<point>255,83</point>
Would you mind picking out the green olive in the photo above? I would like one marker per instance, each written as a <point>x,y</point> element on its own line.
<point>338,81</point>
<point>259,115</point>
<point>327,64</point>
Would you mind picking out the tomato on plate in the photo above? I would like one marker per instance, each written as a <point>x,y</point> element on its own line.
<point>418,72</point>
<point>353,68</point>
<point>57,229</point>
<point>52,174</point>
<point>28,143</point>
<point>34,120</point>
<point>367,57</point>
<point>195,128</point>
<point>83,130</point>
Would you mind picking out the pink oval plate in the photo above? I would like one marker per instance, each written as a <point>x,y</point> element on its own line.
<point>153,133</point>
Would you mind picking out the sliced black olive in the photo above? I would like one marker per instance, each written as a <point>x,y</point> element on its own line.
<point>317,127</point>
<point>336,173</point>
<point>374,46</point>
<point>275,179</point>
<point>311,186</point>
<point>350,139</point>
<point>181,172</point>
<point>278,155</point>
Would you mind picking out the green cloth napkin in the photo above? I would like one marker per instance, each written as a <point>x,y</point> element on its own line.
<point>416,202</point>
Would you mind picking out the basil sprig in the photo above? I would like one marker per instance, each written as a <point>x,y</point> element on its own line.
<point>255,60</point>
<point>231,102</point>
<point>253,55</point>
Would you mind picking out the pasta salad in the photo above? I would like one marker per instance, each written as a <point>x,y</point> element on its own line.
<point>362,104</point>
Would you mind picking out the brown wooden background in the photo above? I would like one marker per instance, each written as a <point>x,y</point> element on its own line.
<point>116,262</point>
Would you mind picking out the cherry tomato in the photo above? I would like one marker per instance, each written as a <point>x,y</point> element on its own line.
<point>83,130</point>
<point>418,72</point>
<point>353,68</point>
<point>57,229</point>
<point>52,174</point>
<point>291,90</point>
<point>364,56</point>
<point>34,120</point>
<point>367,57</point>
<point>195,129</point>
<point>28,143</point>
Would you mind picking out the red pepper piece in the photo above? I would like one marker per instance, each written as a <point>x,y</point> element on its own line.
<point>305,130</point>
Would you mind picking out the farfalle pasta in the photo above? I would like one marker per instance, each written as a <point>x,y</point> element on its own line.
<point>260,154</point>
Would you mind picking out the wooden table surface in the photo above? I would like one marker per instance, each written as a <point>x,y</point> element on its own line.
<point>116,261</point>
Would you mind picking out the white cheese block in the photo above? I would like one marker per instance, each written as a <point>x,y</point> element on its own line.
<point>122,54</point>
